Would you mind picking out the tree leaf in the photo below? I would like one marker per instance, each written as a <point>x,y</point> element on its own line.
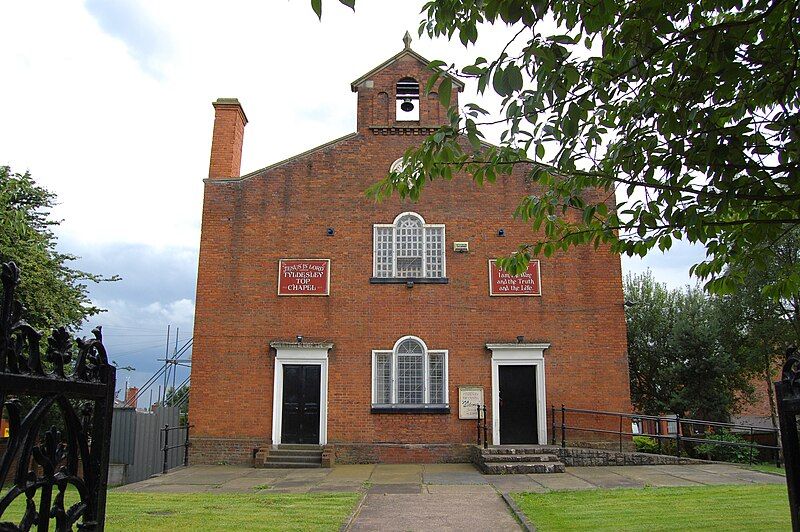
<point>445,89</point>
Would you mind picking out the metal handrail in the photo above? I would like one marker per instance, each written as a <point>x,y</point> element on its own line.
<point>166,430</point>
<point>482,427</point>
<point>671,418</point>
<point>678,437</point>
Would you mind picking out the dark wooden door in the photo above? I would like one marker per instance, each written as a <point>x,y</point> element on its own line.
<point>300,417</point>
<point>518,405</point>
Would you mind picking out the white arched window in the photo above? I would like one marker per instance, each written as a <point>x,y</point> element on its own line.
<point>410,375</point>
<point>408,248</point>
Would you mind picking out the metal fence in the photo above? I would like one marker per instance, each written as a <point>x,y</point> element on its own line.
<point>175,438</point>
<point>687,432</point>
<point>138,441</point>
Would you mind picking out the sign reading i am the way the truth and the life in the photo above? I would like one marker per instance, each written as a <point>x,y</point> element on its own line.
<point>304,277</point>
<point>528,283</point>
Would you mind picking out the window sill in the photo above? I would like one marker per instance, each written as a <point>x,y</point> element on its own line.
<point>410,409</point>
<point>404,280</point>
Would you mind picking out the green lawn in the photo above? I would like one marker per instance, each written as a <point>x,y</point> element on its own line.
<point>175,512</point>
<point>758,507</point>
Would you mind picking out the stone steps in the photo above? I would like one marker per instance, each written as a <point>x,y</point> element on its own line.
<point>524,450</point>
<point>293,456</point>
<point>506,460</point>
<point>509,468</point>
<point>269,464</point>
<point>533,458</point>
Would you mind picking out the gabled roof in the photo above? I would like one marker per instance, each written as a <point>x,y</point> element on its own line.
<point>407,51</point>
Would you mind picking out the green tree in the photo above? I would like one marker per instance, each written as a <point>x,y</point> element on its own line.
<point>760,328</point>
<point>52,292</point>
<point>179,398</point>
<point>678,361</point>
<point>687,110</point>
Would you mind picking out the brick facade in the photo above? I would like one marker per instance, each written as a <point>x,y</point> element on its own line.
<point>284,211</point>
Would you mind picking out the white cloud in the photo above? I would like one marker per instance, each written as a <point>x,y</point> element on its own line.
<point>109,106</point>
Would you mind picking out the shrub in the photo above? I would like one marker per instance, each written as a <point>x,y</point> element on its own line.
<point>726,453</point>
<point>645,444</point>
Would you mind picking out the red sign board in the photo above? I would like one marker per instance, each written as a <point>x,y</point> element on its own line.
<point>528,283</point>
<point>304,277</point>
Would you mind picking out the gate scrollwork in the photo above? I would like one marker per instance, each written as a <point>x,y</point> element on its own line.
<point>72,388</point>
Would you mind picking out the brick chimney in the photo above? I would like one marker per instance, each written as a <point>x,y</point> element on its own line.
<point>130,396</point>
<point>226,141</point>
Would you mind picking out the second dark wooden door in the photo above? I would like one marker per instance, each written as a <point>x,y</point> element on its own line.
<point>300,417</point>
<point>518,405</point>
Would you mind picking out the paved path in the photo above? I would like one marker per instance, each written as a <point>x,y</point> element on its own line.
<point>438,496</point>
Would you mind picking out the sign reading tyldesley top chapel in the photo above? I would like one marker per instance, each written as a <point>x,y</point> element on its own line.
<point>304,277</point>
<point>528,283</point>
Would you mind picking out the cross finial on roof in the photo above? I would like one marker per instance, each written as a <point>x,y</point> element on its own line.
<point>407,40</point>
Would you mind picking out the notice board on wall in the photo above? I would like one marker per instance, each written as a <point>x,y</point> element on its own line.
<point>304,277</point>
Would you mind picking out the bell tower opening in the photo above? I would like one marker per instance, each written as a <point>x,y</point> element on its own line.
<point>407,104</point>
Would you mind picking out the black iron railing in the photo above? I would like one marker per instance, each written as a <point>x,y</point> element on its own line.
<point>687,430</point>
<point>482,427</point>
<point>167,447</point>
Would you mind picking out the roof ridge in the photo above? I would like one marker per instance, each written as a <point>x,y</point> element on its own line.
<point>406,51</point>
<point>255,173</point>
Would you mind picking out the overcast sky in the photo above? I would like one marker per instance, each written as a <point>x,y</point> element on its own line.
<point>108,105</point>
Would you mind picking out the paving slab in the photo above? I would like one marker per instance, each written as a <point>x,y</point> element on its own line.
<point>516,483</point>
<point>336,488</point>
<point>447,508</point>
<point>604,477</point>
<point>355,473</point>
<point>691,472</point>
<point>392,489</point>
<point>651,476</point>
<point>563,481</point>
<point>452,474</point>
<point>741,473</point>
<point>396,474</point>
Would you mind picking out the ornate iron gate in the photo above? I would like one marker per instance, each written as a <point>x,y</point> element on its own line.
<point>72,454</point>
<point>787,393</point>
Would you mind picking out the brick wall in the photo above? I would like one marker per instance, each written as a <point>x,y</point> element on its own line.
<point>284,211</point>
<point>205,450</point>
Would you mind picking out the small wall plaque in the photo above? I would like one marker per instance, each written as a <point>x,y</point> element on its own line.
<point>469,397</point>
<point>461,247</point>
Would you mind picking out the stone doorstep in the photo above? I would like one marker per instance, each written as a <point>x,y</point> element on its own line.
<point>522,450</point>
<point>520,458</point>
<point>505,468</point>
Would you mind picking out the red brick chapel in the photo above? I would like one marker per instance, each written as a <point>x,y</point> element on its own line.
<point>375,329</point>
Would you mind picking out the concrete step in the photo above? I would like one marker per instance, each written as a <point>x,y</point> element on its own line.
<point>295,452</point>
<point>290,465</point>
<point>527,450</point>
<point>507,468</point>
<point>297,459</point>
<point>300,446</point>
<point>532,458</point>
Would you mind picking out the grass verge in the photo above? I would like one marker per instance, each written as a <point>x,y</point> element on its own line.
<point>758,507</point>
<point>176,512</point>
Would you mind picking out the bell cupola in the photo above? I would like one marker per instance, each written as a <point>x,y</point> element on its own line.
<point>391,98</point>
